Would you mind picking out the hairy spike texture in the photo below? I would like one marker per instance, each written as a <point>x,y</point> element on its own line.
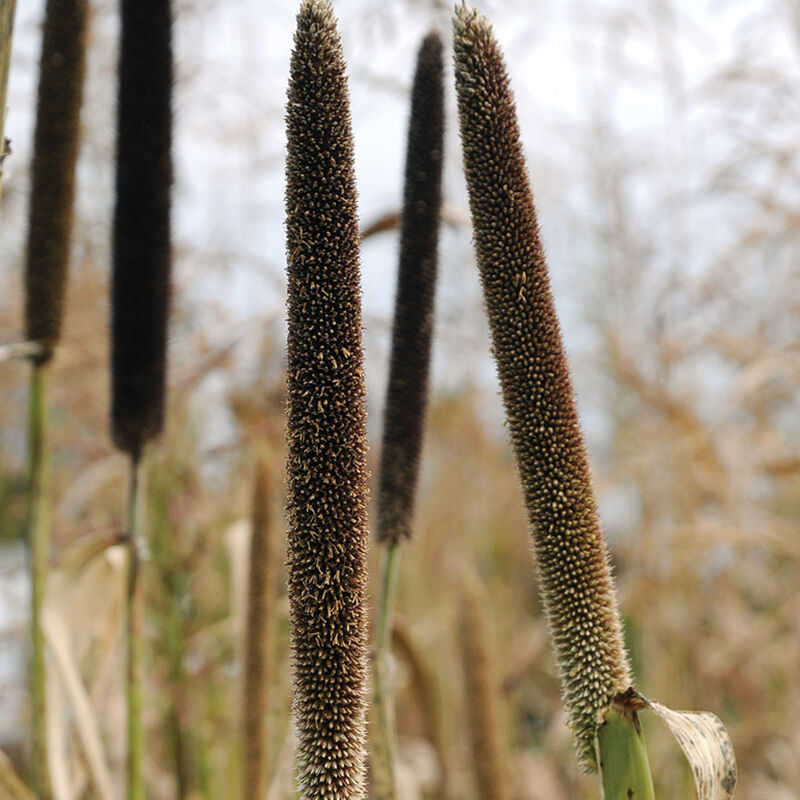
<point>259,638</point>
<point>571,554</point>
<point>482,694</point>
<point>326,506</point>
<point>55,153</point>
<point>141,249</point>
<point>407,391</point>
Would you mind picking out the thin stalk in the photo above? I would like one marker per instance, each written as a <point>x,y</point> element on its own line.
<point>389,569</point>
<point>38,516</point>
<point>384,743</point>
<point>258,639</point>
<point>177,681</point>
<point>134,613</point>
<point>7,9</point>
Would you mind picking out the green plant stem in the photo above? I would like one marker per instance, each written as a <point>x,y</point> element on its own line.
<point>134,614</point>
<point>383,741</point>
<point>623,761</point>
<point>38,523</point>
<point>7,9</point>
<point>383,627</point>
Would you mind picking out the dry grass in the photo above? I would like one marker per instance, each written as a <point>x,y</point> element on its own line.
<point>690,382</point>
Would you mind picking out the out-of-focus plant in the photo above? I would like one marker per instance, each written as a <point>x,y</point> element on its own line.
<point>55,154</point>
<point>141,286</point>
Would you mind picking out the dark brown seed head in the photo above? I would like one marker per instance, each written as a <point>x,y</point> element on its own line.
<point>407,391</point>
<point>326,507</point>
<point>55,153</point>
<point>141,248</point>
<point>571,554</point>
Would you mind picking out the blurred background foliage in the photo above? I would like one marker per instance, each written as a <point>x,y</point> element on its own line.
<point>662,140</point>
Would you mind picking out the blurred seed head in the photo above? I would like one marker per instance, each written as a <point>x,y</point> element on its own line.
<point>55,153</point>
<point>141,282</point>
<point>407,391</point>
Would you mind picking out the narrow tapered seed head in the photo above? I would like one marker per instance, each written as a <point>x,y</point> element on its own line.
<point>326,505</point>
<point>141,246</point>
<point>259,638</point>
<point>572,558</point>
<point>55,154</point>
<point>407,391</point>
<point>482,696</point>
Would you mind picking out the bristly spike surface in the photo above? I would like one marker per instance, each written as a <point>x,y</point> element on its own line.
<point>571,554</point>
<point>327,495</point>
<point>407,391</point>
<point>141,236</point>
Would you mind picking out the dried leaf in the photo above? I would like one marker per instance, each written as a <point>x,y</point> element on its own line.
<point>708,748</point>
<point>11,787</point>
<point>85,571</point>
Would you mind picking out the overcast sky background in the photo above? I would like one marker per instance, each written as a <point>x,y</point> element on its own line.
<point>627,116</point>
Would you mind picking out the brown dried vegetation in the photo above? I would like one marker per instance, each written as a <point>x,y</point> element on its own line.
<point>689,378</point>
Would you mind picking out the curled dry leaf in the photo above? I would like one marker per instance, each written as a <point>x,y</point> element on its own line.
<point>708,748</point>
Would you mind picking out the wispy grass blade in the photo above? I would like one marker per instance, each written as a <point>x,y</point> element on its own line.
<point>326,505</point>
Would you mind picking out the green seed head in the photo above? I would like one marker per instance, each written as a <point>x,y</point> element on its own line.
<point>575,577</point>
<point>326,506</point>
<point>55,154</point>
<point>407,392</point>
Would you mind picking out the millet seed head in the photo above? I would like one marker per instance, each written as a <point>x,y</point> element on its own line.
<point>407,390</point>
<point>327,495</point>
<point>571,554</point>
<point>55,154</point>
<point>140,293</point>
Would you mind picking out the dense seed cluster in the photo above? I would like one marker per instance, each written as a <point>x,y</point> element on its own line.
<point>141,247</point>
<point>571,554</point>
<point>55,153</point>
<point>259,637</point>
<point>326,466</point>
<point>407,391</point>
